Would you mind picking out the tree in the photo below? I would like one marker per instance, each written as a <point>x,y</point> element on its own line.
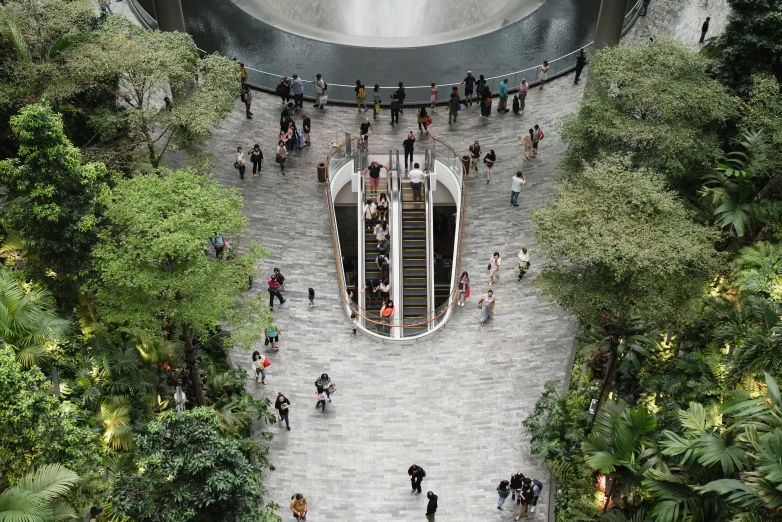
<point>141,67</point>
<point>52,192</point>
<point>37,429</point>
<point>153,270</point>
<point>754,29</point>
<point>654,103</point>
<point>616,239</point>
<point>40,496</point>
<point>187,471</point>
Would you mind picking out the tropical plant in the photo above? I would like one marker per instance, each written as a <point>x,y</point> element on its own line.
<point>757,270</point>
<point>40,496</point>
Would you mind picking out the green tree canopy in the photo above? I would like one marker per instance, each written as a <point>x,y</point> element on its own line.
<point>655,103</point>
<point>52,192</point>
<point>153,270</point>
<point>617,239</point>
<point>140,67</point>
<point>189,472</point>
<point>38,429</point>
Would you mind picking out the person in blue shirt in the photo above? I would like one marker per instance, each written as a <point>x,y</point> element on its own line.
<point>502,106</point>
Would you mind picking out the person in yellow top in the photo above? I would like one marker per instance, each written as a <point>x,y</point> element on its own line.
<point>299,507</point>
<point>242,74</point>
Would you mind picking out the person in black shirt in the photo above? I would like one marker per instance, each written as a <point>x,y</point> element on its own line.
<point>401,95</point>
<point>431,507</point>
<point>374,176</point>
<point>394,109</point>
<point>704,30</point>
<point>417,474</point>
<point>281,406</point>
<point>284,90</point>
<point>365,128</point>
<point>479,85</point>
<point>469,83</point>
<point>516,483</point>
<point>489,160</point>
<point>256,158</point>
<point>475,154</point>
<point>305,127</point>
<point>408,146</point>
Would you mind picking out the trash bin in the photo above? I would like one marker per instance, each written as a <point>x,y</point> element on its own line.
<point>322,172</point>
<point>466,164</point>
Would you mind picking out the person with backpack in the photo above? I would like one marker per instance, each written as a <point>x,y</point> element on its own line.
<point>274,290</point>
<point>581,61</point>
<point>537,135</point>
<point>260,363</point>
<point>361,96</point>
<point>320,91</point>
<point>503,490</point>
<point>537,487</point>
<point>416,474</point>
<point>475,154</point>
<point>299,505</point>
<point>247,98</point>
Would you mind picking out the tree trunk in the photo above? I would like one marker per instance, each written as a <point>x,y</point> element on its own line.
<point>193,365</point>
<point>609,379</point>
<point>609,492</point>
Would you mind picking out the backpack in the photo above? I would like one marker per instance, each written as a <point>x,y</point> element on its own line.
<point>325,86</point>
<point>243,97</point>
<point>539,484</point>
<point>487,101</point>
<point>361,92</point>
<point>541,134</point>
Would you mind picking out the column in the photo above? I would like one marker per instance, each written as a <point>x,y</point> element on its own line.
<point>169,15</point>
<point>609,23</point>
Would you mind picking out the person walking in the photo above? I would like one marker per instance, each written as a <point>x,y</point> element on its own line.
<point>299,506</point>
<point>374,176</point>
<point>297,89</point>
<point>320,91</point>
<point>322,386</point>
<point>422,117</point>
<point>502,105</point>
<point>306,124</point>
<point>408,146</point>
<point>581,61</point>
<point>523,263</point>
<point>272,334</point>
<point>494,267</point>
<point>328,386</point>
<point>394,109</point>
<point>486,102</point>
<point>274,291</point>
<point>260,363</point>
<point>376,94</point>
<point>523,89</point>
<point>240,162</point>
<point>280,278</point>
<point>281,406</point>
<point>645,7</point>
<point>361,95</point>
<point>433,94</point>
<point>486,305</point>
<point>537,135</point>
<point>453,107</point>
<point>516,183</point>
<point>416,474</point>
<point>282,155</point>
<point>527,141</point>
<point>464,289</point>
<point>284,90</point>
<point>469,84</point>
<point>247,98</point>
<point>401,95</point>
<point>543,74</point>
<point>256,158</point>
<point>475,154</point>
<point>704,29</point>
<point>503,490</point>
<point>431,506</point>
<point>489,160</point>
<point>417,177</point>
<point>364,131</point>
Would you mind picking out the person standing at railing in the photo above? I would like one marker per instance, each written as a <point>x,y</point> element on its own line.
<point>523,89</point>
<point>581,61</point>
<point>416,181</point>
<point>502,105</point>
<point>284,90</point>
<point>242,74</point>
<point>361,96</point>
<point>320,91</point>
<point>408,146</point>
<point>479,85</point>
<point>469,84</point>
<point>543,74</point>
<point>377,101</point>
<point>394,109</point>
<point>297,89</point>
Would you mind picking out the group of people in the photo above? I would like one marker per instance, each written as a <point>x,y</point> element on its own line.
<point>488,301</point>
<point>524,490</point>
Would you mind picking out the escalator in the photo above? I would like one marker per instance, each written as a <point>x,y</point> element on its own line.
<point>373,302</point>
<point>414,264</point>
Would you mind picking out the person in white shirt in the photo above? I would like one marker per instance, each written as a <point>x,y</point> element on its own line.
<point>416,181</point>
<point>516,183</point>
<point>523,263</point>
<point>370,213</point>
<point>320,91</point>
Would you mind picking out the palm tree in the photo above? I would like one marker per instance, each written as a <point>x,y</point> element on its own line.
<point>28,320</point>
<point>617,445</point>
<point>40,496</point>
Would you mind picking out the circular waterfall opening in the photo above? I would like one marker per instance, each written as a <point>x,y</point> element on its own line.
<point>389,23</point>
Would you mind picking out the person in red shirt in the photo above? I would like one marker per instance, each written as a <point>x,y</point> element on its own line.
<point>274,289</point>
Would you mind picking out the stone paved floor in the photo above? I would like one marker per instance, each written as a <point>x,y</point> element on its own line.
<point>454,401</point>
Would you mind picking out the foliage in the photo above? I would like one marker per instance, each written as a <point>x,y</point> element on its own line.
<point>141,66</point>
<point>762,113</point>
<point>51,191</point>
<point>751,42</point>
<point>756,270</point>
<point>40,496</point>
<point>654,103</point>
<point>617,239</point>
<point>36,429</point>
<point>188,471</point>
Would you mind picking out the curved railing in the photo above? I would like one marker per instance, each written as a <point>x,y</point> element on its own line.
<point>370,322</point>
